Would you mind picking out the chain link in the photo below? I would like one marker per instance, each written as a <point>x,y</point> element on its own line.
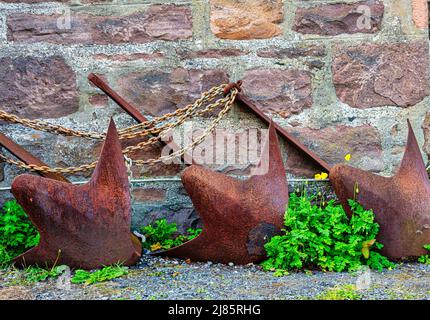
<point>140,130</point>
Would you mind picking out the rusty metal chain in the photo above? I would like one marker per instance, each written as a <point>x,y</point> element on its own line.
<point>47,127</point>
<point>205,97</point>
<point>198,140</point>
<point>128,133</point>
<point>146,128</point>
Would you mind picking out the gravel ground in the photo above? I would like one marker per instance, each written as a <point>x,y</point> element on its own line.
<point>157,278</point>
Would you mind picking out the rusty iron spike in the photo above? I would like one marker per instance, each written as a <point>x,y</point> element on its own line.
<point>27,157</point>
<point>238,216</point>
<point>124,104</point>
<point>401,203</point>
<point>84,226</point>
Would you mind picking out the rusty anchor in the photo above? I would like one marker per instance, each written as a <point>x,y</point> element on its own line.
<point>84,226</point>
<point>401,203</point>
<point>238,216</point>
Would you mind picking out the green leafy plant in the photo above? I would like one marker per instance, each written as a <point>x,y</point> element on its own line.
<point>319,235</point>
<point>104,274</point>
<point>36,274</point>
<point>164,235</point>
<point>280,273</point>
<point>17,233</point>
<point>426,258</point>
<point>5,257</point>
<point>345,292</point>
<point>193,233</point>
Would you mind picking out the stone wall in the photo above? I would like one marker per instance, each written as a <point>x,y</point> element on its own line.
<point>341,75</point>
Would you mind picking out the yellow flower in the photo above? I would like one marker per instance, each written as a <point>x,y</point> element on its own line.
<point>156,246</point>
<point>324,175</point>
<point>321,176</point>
<point>348,157</point>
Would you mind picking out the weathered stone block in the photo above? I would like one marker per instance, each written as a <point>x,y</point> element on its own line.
<point>372,75</point>
<point>157,92</point>
<point>284,92</point>
<point>292,52</point>
<point>242,20</point>
<point>99,100</point>
<point>420,13</point>
<point>211,53</point>
<point>38,87</point>
<point>158,22</point>
<point>148,194</point>
<point>338,18</point>
<point>333,143</point>
<point>128,57</point>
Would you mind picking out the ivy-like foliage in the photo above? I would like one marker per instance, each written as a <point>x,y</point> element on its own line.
<point>426,258</point>
<point>320,235</point>
<point>164,235</point>
<point>17,233</point>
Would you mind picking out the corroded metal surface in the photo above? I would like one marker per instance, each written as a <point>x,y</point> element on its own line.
<point>238,216</point>
<point>401,203</point>
<point>84,226</point>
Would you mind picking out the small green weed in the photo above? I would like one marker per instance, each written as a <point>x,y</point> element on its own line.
<point>164,235</point>
<point>280,273</point>
<point>426,258</point>
<point>104,274</point>
<point>345,292</point>
<point>17,233</point>
<point>35,274</point>
<point>320,235</point>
